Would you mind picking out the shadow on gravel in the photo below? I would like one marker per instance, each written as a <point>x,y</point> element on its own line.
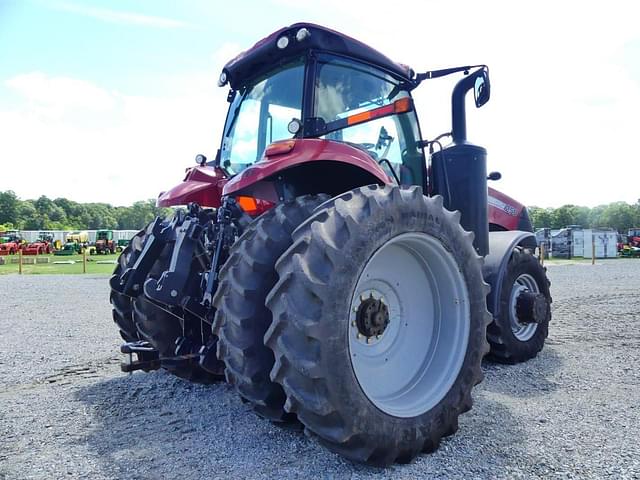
<point>157,426</point>
<point>528,379</point>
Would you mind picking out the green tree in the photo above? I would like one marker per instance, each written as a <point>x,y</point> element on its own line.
<point>9,204</point>
<point>563,216</point>
<point>541,217</point>
<point>619,215</point>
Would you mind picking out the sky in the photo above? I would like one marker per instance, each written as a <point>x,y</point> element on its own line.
<point>111,101</point>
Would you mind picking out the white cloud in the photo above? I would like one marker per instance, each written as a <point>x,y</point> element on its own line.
<point>54,95</point>
<point>121,149</point>
<point>120,16</point>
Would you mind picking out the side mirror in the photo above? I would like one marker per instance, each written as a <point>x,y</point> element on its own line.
<point>482,89</point>
<point>494,176</point>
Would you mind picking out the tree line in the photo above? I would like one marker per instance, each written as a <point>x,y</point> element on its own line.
<point>618,215</point>
<point>63,214</point>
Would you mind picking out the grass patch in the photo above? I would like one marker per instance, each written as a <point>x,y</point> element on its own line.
<point>564,261</point>
<point>56,269</point>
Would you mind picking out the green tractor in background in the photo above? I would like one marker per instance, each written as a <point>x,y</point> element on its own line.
<point>75,243</point>
<point>69,248</point>
<point>122,244</point>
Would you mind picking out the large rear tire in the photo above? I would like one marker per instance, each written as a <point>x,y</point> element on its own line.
<point>512,340</point>
<point>241,315</point>
<point>379,323</point>
<point>121,305</point>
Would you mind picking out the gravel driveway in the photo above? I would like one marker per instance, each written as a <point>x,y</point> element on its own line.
<point>67,411</point>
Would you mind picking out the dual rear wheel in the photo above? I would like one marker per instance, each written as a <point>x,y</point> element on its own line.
<point>374,326</point>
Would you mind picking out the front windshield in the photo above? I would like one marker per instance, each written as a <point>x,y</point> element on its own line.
<point>260,115</point>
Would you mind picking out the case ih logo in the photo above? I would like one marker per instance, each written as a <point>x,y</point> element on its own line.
<point>508,209</point>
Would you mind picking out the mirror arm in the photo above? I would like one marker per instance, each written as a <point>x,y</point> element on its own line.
<point>441,73</point>
<point>458,112</point>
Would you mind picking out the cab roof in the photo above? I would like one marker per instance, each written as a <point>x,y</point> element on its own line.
<point>265,54</point>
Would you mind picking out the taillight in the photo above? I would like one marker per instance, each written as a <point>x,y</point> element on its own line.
<point>254,206</point>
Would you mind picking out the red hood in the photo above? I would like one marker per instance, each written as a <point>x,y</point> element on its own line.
<point>504,210</point>
<point>202,184</point>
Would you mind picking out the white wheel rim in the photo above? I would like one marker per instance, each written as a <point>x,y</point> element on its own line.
<point>524,283</point>
<point>412,365</point>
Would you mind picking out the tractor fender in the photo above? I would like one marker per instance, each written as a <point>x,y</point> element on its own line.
<point>287,157</point>
<point>201,184</point>
<point>501,245</point>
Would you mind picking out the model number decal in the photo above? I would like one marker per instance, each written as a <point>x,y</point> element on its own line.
<point>508,209</point>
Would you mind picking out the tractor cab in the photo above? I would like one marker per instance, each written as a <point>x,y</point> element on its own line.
<point>104,235</point>
<point>308,82</point>
<point>45,237</point>
<point>307,95</point>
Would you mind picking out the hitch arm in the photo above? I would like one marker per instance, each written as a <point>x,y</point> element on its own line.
<point>130,282</point>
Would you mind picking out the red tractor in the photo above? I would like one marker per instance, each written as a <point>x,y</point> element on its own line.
<point>10,243</point>
<point>341,270</point>
<point>44,245</point>
<point>633,237</point>
<point>104,242</point>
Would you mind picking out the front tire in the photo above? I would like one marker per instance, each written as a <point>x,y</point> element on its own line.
<point>379,323</point>
<point>512,340</point>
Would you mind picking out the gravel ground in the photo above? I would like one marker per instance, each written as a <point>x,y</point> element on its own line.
<point>66,410</point>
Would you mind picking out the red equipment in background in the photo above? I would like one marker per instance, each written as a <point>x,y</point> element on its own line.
<point>44,245</point>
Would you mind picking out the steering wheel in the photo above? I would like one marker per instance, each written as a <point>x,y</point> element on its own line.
<point>367,146</point>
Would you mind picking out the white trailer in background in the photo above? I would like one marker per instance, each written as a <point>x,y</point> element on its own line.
<point>32,235</point>
<point>579,242</point>
<point>605,243</point>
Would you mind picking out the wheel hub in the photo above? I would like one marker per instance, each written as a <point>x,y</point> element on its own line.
<point>531,307</point>
<point>372,316</point>
<point>527,307</point>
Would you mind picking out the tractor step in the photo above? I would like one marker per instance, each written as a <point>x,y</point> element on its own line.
<point>137,347</point>
<point>148,357</point>
<point>180,361</point>
<point>133,365</point>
